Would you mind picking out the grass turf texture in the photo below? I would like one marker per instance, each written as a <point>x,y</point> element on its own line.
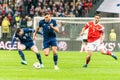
<point>101,67</point>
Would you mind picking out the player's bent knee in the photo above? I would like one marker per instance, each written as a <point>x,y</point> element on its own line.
<point>46,54</point>
<point>102,51</point>
<point>34,51</point>
<point>54,50</point>
<point>20,49</point>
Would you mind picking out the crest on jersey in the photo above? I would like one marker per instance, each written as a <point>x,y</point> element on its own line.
<point>44,24</point>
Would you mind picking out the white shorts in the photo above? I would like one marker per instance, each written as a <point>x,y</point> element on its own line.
<point>96,45</point>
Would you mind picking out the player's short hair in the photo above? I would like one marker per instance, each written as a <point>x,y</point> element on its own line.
<point>18,30</point>
<point>98,15</point>
<point>47,13</point>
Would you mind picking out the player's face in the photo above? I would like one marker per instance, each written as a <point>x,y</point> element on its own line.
<point>47,18</point>
<point>97,18</point>
<point>20,33</point>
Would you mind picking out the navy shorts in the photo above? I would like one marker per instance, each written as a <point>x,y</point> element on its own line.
<point>28,45</point>
<point>47,44</point>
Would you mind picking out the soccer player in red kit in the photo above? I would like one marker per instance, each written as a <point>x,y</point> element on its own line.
<point>95,39</point>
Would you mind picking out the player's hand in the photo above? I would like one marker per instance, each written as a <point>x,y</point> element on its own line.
<point>81,34</point>
<point>51,25</point>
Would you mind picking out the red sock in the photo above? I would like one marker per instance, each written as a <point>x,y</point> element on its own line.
<point>108,52</point>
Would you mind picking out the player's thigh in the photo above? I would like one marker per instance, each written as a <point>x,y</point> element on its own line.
<point>54,49</point>
<point>46,51</point>
<point>21,47</point>
<point>102,49</point>
<point>53,44</point>
<point>46,44</point>
<point>89,53</point>
<point>91,46</point>
<point>34,49</point>
<point>99,46</point>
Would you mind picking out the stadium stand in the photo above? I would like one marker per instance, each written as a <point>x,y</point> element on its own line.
<point>18,12</point>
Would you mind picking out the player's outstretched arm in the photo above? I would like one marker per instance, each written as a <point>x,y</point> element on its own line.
<point>82,32</point>
<point>12,43</point>
<point>33,30</point>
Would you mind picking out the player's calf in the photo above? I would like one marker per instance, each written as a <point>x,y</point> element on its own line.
<point>55,59</point>
<point>21,55</point>
<point>107,52</point>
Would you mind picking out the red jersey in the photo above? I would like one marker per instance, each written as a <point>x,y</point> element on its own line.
<point>94,31</point>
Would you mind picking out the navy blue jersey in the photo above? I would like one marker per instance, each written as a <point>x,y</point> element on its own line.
<point>48,32</point>
<point>25,37</point>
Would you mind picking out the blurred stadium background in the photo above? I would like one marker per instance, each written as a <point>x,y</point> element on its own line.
<point>71,15</point>
<point>22,13</point>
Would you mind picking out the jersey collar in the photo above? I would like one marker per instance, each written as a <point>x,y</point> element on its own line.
<point>48,21</point>
<point>96,24</point>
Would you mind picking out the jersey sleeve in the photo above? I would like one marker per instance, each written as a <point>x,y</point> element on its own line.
<point>40,23</point>
<point>15,35</point>
<point>13,39</point>
<point>40,33</point>
<point>86,26</point>
<point>28,30</point>
<point>54,23</point>
<point>102,28</point>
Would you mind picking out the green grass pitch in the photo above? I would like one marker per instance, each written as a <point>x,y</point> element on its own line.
<point>101,67</point>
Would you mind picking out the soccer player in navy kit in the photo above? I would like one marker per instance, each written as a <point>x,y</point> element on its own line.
<point>26,42</point>
<point>49,28</point>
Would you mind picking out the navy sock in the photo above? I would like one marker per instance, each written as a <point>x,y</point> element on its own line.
<point>21,55</point>
<point>55,58</point>
<point>39,57</point>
